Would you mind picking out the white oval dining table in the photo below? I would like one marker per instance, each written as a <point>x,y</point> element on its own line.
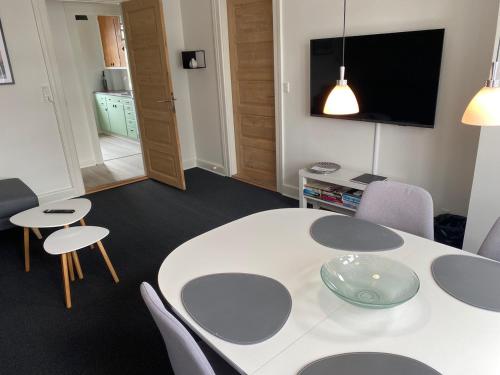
<point>433,327</point>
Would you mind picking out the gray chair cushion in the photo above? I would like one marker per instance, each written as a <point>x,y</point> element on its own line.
<point>491,245</point>
<point>185,355</point>
<point>400,206</point>
<point>15,197</point>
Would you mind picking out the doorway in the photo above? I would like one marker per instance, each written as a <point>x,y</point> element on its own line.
<point>251,49</point>
<point>133,131</point>
<point>113,156</point>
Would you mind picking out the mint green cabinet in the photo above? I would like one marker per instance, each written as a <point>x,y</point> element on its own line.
<point>102,114</point>
<point>116,115</point>
<point>117,119</point>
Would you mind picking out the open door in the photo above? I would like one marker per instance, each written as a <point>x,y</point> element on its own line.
<point>150,72</point>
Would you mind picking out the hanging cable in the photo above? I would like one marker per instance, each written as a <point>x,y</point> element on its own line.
<point>343,34</point>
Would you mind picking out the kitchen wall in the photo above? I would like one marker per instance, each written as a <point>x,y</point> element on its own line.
<point>441,159</point>
<point>30,141</point>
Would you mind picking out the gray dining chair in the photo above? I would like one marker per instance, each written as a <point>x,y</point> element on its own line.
<point>15,197</point>
<point>491,245</point>
<point>186,356</point>
<point>400,206</point>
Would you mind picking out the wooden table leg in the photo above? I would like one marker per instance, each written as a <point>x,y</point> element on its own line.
<point>83,224</point>
<point>27,249</point>
<point>76,261</point>
<point>37,233</point>
<point>70,268</point>
<point>108,261</point>
<point>67,291</point>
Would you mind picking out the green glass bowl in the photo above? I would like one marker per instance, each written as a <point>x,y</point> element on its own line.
<point>370,281</point>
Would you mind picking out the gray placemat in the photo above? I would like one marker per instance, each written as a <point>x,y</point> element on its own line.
<point>237,307</point>
<point>347,233</point>
<point>471,280</point>
<point>367,363</point>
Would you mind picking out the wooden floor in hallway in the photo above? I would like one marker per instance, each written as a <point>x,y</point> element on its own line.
<point>122,161</point>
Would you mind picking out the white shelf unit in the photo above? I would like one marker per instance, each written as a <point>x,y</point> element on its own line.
<point>342,177</point>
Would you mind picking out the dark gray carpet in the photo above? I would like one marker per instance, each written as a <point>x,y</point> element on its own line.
<point>109,330</point>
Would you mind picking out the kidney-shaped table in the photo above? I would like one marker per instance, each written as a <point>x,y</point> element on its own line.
<point>433,327</point>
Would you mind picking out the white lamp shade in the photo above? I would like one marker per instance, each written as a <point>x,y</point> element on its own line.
<point>484,108</point>
<point>341,101</point>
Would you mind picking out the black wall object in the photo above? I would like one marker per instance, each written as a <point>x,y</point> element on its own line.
<point>81,17</point>
<point>395,77</point>
<point>6,74</point>
<point>199,56</point>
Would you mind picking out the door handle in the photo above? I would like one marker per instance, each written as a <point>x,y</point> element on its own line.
<point>166,100</point>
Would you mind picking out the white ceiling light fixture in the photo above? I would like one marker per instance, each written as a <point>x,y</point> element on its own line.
<point>341,100</point>
<point>484,108</point>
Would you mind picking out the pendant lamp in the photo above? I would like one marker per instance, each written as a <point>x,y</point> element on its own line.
<point>484,108</point>
<point>341,100</point>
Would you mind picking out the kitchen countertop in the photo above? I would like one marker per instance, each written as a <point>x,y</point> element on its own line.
<point>124,93</point>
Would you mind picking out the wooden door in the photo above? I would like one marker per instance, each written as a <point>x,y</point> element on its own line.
<point>151,80</point>
<point>252,76</point>
<point>109,41</point>
<point>120,41</point>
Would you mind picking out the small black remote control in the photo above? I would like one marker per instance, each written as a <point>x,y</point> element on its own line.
<point>56,211</point>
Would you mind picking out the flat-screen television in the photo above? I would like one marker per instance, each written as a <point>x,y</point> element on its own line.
<point>395,77</point>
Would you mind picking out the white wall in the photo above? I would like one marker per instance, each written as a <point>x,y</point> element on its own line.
<point>441,159</point>
<point>30,143</point>
<point>484,206</point>
<point>175,40</point>
<point>198,26</point>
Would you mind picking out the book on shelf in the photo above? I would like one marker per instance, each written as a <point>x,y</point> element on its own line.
<point>332,193</point>
<point>318,185</point>
<point>312,193</point>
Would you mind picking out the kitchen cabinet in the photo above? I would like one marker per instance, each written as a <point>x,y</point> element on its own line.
<point>113,41</point>
<point>116,115</point>
<point>117,119</point>
<point>102,113</point>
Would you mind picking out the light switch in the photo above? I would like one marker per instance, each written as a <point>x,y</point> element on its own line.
<point>47,95</point>
<point>286,87</point>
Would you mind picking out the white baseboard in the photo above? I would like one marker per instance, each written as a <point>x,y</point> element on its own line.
<point>189,163</point>
<point>211,167</point>
<point>58,195</point>
<point>290,191</point>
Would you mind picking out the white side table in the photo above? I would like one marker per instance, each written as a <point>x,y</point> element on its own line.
<point>36,218</point>
<point>342,177</point>
<point>66,241</point>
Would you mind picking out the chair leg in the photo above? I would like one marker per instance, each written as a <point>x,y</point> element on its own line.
<point>27,249</point>
<point>70,268</point>
<point>78,267</point>
<point>37,233</point>
<point>108,262</point>
<point>83,224</point>
<point>67,291</point>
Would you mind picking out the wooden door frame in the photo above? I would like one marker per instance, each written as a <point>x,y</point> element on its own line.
<point>222,60</point>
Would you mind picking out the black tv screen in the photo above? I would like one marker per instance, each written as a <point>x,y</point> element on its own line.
<point>395,77</point>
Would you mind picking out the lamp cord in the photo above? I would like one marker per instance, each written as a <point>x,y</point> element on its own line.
<point>343,35</point>
<point>498,50</point>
